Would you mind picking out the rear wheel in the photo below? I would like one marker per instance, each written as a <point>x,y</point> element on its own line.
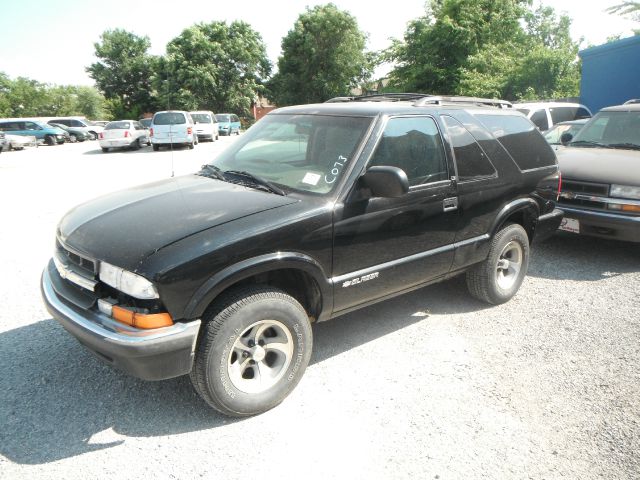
<point>73,138</point>
<point>498,278</point>
<point>255,345</point>
<point>156,147</point>
<point>50,140</point>
<point>105,149</point>
<point>92,135</point>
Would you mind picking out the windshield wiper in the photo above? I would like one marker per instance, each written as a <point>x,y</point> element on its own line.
<point>627,145</point>
<point>257,181</point>
<point>588,143</point>
<point>211,171</point>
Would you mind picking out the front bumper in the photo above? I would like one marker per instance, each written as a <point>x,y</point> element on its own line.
<point>605,225</point>
<point>148,354</point>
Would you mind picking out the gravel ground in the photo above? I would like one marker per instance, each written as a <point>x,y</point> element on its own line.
<point>429,385</point>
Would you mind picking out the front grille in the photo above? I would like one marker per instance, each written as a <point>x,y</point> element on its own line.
<point>571,188</point>
<point>85,266</point>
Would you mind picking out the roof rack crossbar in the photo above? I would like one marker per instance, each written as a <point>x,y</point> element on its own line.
<point>379,97</point>
<point>440,100</point>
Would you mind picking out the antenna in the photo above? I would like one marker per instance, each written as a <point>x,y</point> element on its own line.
<point>169,108</point>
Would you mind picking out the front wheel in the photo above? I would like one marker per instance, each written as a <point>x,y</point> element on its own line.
<point>498,278</point>
<point>50,140</point>
<point>254,348</point>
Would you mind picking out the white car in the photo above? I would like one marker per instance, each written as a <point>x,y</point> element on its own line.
<point>173,127</point>
<point>123,134</point>
<point>206,125</point>
<point>18,142</point>
<point>546,114</point>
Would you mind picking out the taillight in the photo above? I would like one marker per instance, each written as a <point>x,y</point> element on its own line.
<point>101,135</point>
<point>151,132</point>
<point>126,133</point>
<point>559,185</point>
<point>189,130</point>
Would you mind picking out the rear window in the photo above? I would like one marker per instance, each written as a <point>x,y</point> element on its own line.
<point>223,118</point>
<point>539,118</point>
<point>118,126</point>
<point>169,118</point>
<point>201,117</point>
<point>521,140</point>
<point>563,114</point>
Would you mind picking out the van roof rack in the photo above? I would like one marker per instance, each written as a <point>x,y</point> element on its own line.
<point>422,99</point>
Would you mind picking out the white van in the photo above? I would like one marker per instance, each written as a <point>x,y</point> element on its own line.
<point>171,127</point>
<point>206,125</point>
<point>546,114</point>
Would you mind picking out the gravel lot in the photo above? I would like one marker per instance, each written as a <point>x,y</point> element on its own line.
<point>429,385</point>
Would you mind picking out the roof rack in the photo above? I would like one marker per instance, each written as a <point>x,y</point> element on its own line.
<point>441,100</point>
<point>378,97</point>
<point>632,101</point>
<point>422,99</point>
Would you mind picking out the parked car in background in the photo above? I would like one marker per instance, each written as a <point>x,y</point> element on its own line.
<point>74,134</point>
<point>228,123</point>
<point>206,125</point>
<point>43,132</point>
<point>123,134</point>
<point>81,123</point>
<point>173,127</point>
<point>546,114</point>
<point>145,122</point>
<point>3,142</point>
<point>554,133</point>
<point>601,175</point>
<point>19,142</point>
<point>102,123</point>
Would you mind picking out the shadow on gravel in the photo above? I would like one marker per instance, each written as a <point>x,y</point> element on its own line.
<point>574,257</point>
<point>55,396</point>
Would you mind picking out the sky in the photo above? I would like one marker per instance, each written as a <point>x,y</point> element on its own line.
<point>52,42</point>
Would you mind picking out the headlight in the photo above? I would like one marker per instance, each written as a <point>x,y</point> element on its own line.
<point>127,282</point>
<point>625,191</point>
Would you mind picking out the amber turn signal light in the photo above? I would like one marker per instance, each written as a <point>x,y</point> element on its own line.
<point>141,320</point>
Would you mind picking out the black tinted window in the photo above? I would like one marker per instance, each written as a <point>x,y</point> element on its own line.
<point>63,121</point>
<point>118,126</point>
<point>414,145</point>
<point>539,118</point>
<point>563,114</point>
<point>471,160</point>
<point>582,113</point>
<point>76,123</point>
<point>222,117</point>
<point>525,144</point>
<point>169,118</point>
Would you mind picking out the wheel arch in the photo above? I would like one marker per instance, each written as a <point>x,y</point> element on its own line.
<point>297,274</point>
<point>523,211</point>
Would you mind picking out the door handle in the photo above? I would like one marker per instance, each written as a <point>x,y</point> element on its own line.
<point>450,204</point>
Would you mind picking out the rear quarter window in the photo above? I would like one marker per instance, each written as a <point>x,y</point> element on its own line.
<point>471,161</point>
<point>169,118</point>
<point>524,143</point>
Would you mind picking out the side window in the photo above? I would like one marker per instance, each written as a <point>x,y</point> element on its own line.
<point>137,126</point>
<point>526,146</point>
<point>235,118</point>
<point>539,118</point>
<point>582,113</point>
<point>414,145</point>
<point>30,126</point>
<point>76,123</point>
<point>563,114</point>
<point>471,160</point>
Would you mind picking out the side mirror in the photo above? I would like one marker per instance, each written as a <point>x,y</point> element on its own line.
<point>565,138</point>
<point>386,182</point>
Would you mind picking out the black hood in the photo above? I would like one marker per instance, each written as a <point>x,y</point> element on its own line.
<point>125,227</point>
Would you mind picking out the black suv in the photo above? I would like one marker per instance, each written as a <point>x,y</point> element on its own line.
<point>316,211</point>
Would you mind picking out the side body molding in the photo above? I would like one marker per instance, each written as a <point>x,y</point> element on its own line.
<point>253,266</point>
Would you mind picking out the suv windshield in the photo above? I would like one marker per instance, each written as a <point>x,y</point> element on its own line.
<point>201,117</point>
<point>223,118</point>
<point>169,118</point>
<point>307,153</point>
<point>611,129</point>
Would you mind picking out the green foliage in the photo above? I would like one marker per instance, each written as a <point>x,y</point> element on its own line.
<point>322,56</point>
<point>24,97</point>
<point>212,66</point>
<point>489,48</point>
<point>123,72</point>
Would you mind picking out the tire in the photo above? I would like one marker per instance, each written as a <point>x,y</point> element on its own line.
<point>229,354</point>
<point>73,138</point>
<point>105,149</point>
<point>497,279</point>
<point>217,137</point>
<point>156,147</point>
<point>50,140</point>
<point>92,135</point>
<point>191,145</point>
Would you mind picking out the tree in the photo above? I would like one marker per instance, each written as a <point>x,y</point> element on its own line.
<point>627,8</point>
<point>494,48</point>
<point>322,56</point>
<point>213,66</point>
<point>123,72</point>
